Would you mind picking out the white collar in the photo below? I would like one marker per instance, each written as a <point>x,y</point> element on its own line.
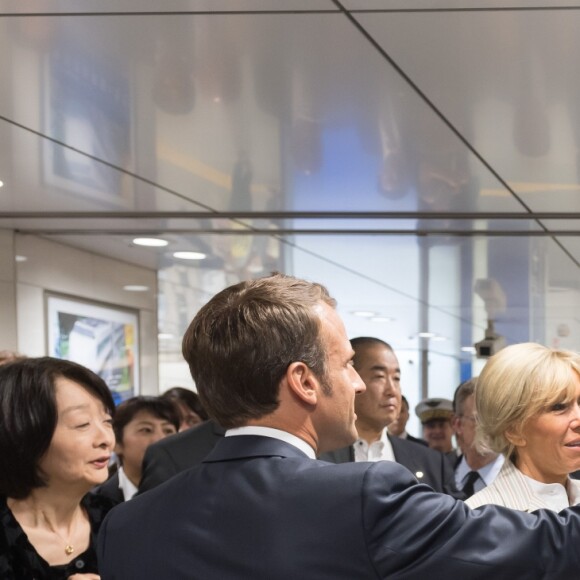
<point>274,433</point>
<point>126,485</point>
<point>487,473</point>
<point>554,495</point>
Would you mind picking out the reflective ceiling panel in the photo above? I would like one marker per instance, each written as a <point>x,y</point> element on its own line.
<point>232,112</point>
<point>411,155</point>
<point>510,91</point>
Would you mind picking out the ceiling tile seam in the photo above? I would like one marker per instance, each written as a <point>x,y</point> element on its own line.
<point>461,9</point>
<point>169,13</point>
<point>305,215</point>
<point>421,233</point>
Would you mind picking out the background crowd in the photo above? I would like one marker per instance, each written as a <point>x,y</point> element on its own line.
<point>510,437</point>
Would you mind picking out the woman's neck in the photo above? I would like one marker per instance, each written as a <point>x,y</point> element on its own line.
<point>47,504</point>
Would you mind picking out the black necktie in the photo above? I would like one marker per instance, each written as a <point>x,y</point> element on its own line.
<point>472,477</point>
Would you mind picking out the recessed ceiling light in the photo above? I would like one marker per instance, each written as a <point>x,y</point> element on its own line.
<point>217,99</point>
<point>20,258</point>
<point>1,183</point>
<point>135,288</point>
<point>165,336</point>
<point>382,319</point>
<point>364,313</point>
<point>151,242</point>
<point>426,335</point>
<point>469,349</point>
<point>189,255</point>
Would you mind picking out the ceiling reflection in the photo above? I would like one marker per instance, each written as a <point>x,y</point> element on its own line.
<point>406,154</point>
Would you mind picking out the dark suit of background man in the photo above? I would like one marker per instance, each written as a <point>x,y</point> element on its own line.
<point>174,454</point>
<point>273,365</point>
<point>399,427</point>
<point>378,407</point>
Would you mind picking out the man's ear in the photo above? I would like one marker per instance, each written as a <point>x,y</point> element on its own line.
<point>302,382</point>
<point>456,424</point>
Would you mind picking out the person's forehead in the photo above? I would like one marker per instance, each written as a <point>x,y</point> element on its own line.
<point>145,416</point>
<point>437,423</point>
<point>375,355</point>
<point>332,326</point>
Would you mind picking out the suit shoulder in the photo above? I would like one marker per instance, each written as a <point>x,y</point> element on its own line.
<point>416,449</point>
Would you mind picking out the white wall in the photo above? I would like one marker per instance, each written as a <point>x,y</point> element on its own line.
<point>54,267</point>
<point>8,338</point>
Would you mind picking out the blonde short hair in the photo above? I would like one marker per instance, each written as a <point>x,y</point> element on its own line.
<point>518,383</point>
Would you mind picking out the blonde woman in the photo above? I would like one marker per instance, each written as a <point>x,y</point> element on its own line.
<point>528,407</point>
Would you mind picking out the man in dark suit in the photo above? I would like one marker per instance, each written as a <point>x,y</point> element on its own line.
<point>376,408</point>
<point>399,426</point>
<point>273,365</point>
<point>174,454</point>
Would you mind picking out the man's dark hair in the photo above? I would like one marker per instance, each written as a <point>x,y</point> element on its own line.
<point>240,344</point>
<point>157,406</point>
<point>404,400</point>
<point>361,342</point>
<point>29,415</point>
<point>464,390</point>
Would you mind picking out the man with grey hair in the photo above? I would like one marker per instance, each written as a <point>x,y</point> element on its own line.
<point>476,468</point>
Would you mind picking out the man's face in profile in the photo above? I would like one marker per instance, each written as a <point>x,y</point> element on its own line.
<point>335,417</point>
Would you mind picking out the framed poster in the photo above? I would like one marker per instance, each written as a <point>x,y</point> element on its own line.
<point>101,337</point>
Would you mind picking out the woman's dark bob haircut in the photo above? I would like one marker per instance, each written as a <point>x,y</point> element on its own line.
<point>29,415</point>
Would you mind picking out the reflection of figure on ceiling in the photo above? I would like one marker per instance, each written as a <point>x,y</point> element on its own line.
<point>393,178</point>
<point>241,195</point>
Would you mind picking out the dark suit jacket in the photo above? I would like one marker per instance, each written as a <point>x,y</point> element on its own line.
<point>417,440</point>
<point>111,489</point>
<point>176,453</point>
<point>427,465</point>
<point>259,508</point>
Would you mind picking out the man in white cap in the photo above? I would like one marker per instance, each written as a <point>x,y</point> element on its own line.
<point>435,415</point>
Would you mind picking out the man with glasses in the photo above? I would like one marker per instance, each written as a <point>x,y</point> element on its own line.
<point>475,468</point>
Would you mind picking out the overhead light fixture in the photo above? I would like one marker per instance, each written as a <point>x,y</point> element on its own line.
<point>1,183</point>
<point>151,242</point>
<point>364,313</point>
<point>382,319</point>
<point>189,255</point>
<point>135,288</point>
<point>20,258</point>
<point>426,335</point>
<point>165,336</point>
<point>469,349</point>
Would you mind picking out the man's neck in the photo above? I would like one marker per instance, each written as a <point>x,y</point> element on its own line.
<point>476,461</point>
<point>368,432</point>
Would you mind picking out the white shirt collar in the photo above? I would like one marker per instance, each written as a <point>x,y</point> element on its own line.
<point>274,433</point>
<point>554,495</point>
<point>487,473</point>
<point>126,485</point>
<point>380,450</point>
